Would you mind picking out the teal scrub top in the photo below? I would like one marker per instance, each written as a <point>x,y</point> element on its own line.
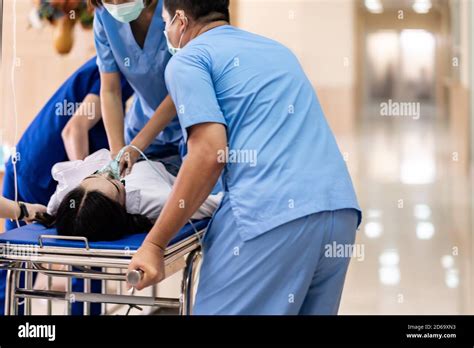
<point>118,51</point>
<point>283,162</point>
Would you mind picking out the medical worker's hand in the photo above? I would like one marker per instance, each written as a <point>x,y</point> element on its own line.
<point>150,259</point>
<point>129,158</point>
<point>33,209</point>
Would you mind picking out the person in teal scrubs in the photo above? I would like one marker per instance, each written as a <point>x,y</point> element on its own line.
<point>248,110</point>
<point>129,39</point>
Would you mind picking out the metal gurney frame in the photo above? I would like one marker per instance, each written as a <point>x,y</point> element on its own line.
<point>89,263</point>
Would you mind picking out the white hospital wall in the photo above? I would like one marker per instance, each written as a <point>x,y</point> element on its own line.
<point>321,33</point>
<point>39,72</point>
<point>465,34</point>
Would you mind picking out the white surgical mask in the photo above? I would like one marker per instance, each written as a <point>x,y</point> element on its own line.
<point>173,50</point>
<point>126,12</point>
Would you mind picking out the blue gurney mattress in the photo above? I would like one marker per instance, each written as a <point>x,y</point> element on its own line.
<point>29,235</point>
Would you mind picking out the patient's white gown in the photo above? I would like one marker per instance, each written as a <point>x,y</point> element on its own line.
<point>147,188</point>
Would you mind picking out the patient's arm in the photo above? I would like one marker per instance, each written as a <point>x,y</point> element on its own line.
<point>76,133</point>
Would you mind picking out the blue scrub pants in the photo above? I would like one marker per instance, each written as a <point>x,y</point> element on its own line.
<point>283,271</point>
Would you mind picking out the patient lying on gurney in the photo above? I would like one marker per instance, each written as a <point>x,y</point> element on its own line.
<point>101,208</point>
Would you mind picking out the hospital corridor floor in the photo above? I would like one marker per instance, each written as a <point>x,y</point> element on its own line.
<point>413,251</point>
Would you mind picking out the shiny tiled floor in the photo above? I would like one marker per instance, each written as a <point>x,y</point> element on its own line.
<point>416,234</point>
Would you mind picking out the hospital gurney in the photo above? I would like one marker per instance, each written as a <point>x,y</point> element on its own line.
<point>34,249</point>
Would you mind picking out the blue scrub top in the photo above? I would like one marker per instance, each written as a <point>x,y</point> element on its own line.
<point>283,162</point>
<point>117,50</point>
<point>41,146</point>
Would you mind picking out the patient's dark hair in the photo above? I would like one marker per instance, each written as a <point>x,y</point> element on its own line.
<point>95,216</point>
<point>199,9</point>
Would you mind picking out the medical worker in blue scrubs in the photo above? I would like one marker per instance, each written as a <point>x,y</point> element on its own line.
<point>129,39</point>
<point>247,108</point>
<point>68,127</point>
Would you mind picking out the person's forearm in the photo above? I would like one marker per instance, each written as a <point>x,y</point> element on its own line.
<point>9,209</point>
<point>112,112</point>
<point>76,133</point>
<point>196,180</point>
<point>76,143</point>
<point>163,115</point>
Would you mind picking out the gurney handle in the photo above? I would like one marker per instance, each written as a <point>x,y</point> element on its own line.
<point>134,277</point>
<point>47,236</point>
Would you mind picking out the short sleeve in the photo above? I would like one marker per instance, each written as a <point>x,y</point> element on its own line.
<point>105,58</point>
<point>189,82</point>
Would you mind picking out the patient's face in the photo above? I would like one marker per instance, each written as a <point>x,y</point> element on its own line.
<point>105,184</point>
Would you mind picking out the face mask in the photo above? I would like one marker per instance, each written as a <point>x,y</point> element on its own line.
<point>127,12</point>
<point>173,50</point>
<point>113,167</point>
